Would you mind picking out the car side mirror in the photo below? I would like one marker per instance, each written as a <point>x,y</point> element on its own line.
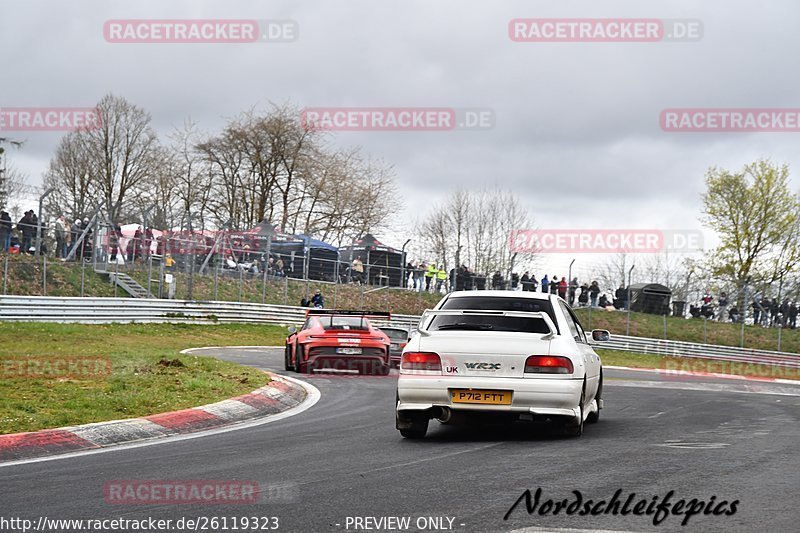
<point>601,335</point>
<point>292,330</point>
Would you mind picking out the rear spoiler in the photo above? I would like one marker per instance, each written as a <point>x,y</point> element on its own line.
<point>479,312</point>
<point>348,312</point>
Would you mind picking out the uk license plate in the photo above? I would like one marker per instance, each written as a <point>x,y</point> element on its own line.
<point>348,351</point>
<point>481,396</point>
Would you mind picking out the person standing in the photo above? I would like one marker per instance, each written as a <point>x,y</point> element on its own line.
<point>430,275</point>
<point>6,226</point>
<point>722,303</point>
<point>573,288</point>
<point>441,276</point>
<point>24,225</point>
<point>114,235</point>
<point>75,234</point>
<point>594,290</point>
<point>357,268</point>
<point>562,288</point>
<point>545,283</point>
<point>60,232</point>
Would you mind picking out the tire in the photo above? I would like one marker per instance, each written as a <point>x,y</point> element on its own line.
<point>299,367</point>
<point>572,428</point>
<point>287,363</point>
<point>594,418</point>
<point>412,424</point>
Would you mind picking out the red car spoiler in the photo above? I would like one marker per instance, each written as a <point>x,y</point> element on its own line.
<point>335,312</point>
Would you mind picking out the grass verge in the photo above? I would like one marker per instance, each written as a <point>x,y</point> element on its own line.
<point>54,375</point>
<point>672,364</point>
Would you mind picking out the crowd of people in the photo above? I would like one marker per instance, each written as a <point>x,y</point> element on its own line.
<point>766,312</point>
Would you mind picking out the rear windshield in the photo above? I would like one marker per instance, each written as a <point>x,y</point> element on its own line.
<point>487,323</point>
<point>344,322</point>
<point>396,334</point>
<point>495,303</point>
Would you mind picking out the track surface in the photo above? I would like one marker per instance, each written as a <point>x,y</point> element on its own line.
<point>343,458</point>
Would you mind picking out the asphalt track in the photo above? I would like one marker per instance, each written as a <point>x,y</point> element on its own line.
<point>343,458</point>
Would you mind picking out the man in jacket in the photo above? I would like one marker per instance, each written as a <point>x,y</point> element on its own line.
<point>6,226</point>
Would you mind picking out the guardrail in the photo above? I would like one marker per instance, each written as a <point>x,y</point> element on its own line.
<point>128,310</point>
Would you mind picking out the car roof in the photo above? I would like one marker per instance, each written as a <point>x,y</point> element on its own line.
<point>502,294</point>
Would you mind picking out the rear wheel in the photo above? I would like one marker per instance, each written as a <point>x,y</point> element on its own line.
<point>574,428</point>
<point>299,366</point>
<point>594,416</point>
<point>287,358</point>
<point>411,424</point>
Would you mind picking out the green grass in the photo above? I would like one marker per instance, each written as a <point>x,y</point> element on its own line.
<point>636,360</point>
<point>147,376</point>
<point>692,330</point>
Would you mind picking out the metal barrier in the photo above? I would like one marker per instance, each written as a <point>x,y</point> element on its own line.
<point>129,310</point>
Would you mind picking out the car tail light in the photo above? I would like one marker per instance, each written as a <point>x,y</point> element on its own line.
<point>548,364</point>
<point>403,345</point>
<point>421,361</point>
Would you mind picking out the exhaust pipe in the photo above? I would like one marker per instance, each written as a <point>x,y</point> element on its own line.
<point>444,415</point>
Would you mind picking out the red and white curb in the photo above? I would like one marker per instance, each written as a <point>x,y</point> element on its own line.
<point>282,397</point>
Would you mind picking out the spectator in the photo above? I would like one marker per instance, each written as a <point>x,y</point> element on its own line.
<point>525,281</point>
<point>169,262</point>
<point>514,281</point>
<point>573,288</point>
<point>562,288</point>
<point>357,270</point>
<point>554,284</point>
<point>75,234</point>
<point>419,274</point>
<point>86,249</point>
<point>583,297</point>
<point>430,275</point>
<point>114,235</point>
<point>733,314</point>
<point>441,276</point>
<point>722,304</point>
<point>594,290</point>
<point>305,302</point>
<point>409,281</point>
<point>26,229</point>
<point>545,283</point>
<point>279,266</point>
<point>756,305</point>
<point>497,280</point>
<point>621,297</point>
<point>784,313</point>
<point>6,226</point>
<point>60,232</point>
<point>793,315</point>
<point>317,300</point>
<point>604,302</point>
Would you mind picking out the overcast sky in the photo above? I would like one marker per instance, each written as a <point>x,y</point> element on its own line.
<point>577,132</point>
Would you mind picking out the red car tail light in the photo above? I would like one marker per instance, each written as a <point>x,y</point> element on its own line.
<point>421,361</point>
<point>548,364</point>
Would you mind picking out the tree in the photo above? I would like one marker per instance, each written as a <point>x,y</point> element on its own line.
<point>755,216</point>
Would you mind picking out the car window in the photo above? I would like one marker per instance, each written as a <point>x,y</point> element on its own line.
<point>344,322</point>
<point>498,303</point>
<point>396,334</point>
<point>572,322</point>
<point>488,323</point>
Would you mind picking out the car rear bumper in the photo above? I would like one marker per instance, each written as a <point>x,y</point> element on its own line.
<point>362,363</point>
<point>537,396</point>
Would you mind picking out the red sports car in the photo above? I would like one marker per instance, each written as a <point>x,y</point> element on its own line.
<point>332,340</point>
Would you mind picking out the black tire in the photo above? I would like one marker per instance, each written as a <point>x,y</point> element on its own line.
<point>411,424</point>
<point>287,356</point>
<point>572,428</point>
<point>299,367</point>
<point>594,418</point>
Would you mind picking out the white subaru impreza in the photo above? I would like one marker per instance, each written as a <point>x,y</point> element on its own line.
<point>500,355</point>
